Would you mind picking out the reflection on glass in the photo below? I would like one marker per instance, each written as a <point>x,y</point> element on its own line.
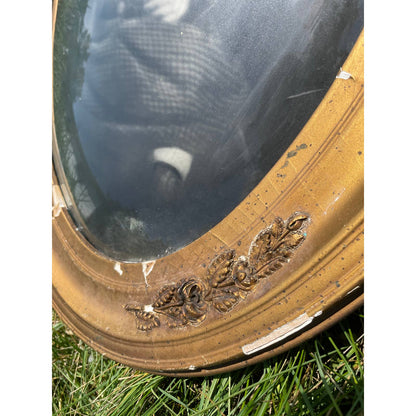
<point>168,112</point>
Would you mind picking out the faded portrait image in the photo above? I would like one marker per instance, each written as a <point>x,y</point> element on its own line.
<point>158,113</point>
<point>174,110</point>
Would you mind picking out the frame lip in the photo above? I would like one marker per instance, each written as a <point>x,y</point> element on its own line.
<point>328,322</point>
<point>75,259</point>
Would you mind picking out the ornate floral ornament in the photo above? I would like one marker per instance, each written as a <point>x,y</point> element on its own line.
<point>229,279</point>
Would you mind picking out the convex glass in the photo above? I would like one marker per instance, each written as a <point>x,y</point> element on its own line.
<point>167,113</point>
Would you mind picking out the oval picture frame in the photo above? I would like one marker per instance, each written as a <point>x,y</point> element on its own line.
<point>284,265</point>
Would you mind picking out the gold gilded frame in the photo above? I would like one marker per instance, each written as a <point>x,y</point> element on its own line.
<point>284,265</point>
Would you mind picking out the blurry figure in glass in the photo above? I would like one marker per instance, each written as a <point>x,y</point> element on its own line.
<point>158,117</point>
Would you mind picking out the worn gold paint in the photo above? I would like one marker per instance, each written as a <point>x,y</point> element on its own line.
<point>323,177</point>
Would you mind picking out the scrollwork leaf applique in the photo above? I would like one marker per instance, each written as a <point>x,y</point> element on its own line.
<point>264,243</point>
<point>226,299</point>
<point>145,320</point>
<point>192,293</point>
<point>228,279</point>
<point>274,246</point>
<point>296,221</point>
<point>220,270</point>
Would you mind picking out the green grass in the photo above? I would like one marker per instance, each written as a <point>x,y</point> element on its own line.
<point>321,377</point>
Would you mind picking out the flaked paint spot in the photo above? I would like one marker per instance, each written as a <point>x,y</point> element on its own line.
<point>148,308</point>
<point>147,267</point>
<point>117,268</point>
<point>353,290</point>
<point>344,75</point>
<point>57,201</point>
<point>278,334</point>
